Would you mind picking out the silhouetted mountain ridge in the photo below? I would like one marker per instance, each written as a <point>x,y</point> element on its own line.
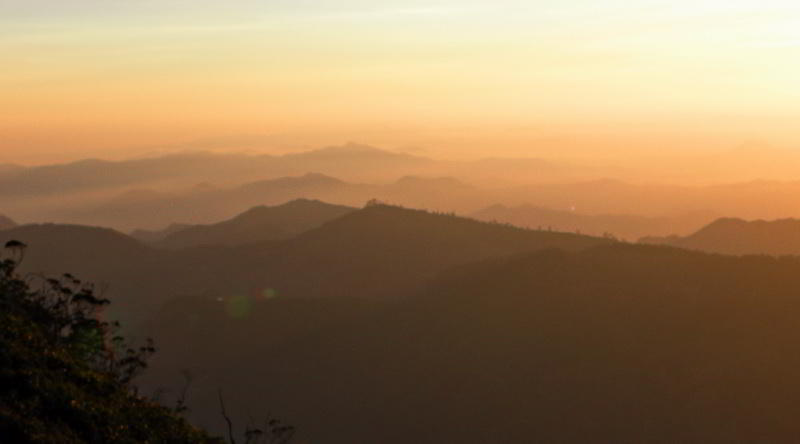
<point>306,180</point>
<point>737,236</point>
<point>149,209</point>
<point>385,251</point>
<point>6,222</point>
<point>379,253</point>
<point>258,224</point>
<point>153,236</point>
<point>621,225</point>
<point>353,161</point>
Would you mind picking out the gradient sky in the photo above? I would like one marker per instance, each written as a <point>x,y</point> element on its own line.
<point>113,77</point>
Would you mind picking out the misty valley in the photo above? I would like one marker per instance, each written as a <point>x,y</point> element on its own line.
<point>357,295</point>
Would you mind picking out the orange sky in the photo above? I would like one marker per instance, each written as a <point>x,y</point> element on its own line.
<point>460,78</point>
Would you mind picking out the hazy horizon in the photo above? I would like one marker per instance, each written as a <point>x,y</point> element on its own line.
<point>593,81</point>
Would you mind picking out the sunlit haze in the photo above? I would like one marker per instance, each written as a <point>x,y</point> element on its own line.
<point>395,222</point>
<point>457,79</point>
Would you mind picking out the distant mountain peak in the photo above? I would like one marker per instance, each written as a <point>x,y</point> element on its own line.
<point>258,224</point>
<point>356,146</point>
<point>347,148</point>
<point>358,151</point>
<point>319,176</point>
<point>439,181</point>
<point>726,222</point>
<point>300,204</point>
<point>737,236</point>
<point>6,223</point>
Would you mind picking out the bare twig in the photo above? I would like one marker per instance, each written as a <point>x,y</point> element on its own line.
<point>227,418</point>
<point>180,403</point>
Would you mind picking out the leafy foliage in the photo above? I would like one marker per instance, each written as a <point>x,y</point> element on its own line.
<point>64,373</point>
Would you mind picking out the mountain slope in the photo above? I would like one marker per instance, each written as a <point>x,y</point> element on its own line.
<point>619,225</point>
<point>97,255</point>
<point>612,344</point>
<point>153,236</point>
<point>384,251</point>
<point>6,223</point>
<point>258,224</point>
<point>207,204</point>
<point>356,162</point>
<point>736,236</point>
<point>377,253</point>
<point>84,248</point>
<point>135,277</point>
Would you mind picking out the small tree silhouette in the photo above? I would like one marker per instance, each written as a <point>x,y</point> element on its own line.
<point>273,430</point>
<point>69,311</point>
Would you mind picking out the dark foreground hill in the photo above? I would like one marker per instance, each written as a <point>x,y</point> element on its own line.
<point>58,384</point>
<point>620,344</point>
<point>258,224</point>
<point>736,236</point>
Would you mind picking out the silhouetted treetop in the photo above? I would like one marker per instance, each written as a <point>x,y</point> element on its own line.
<point>65,374</point>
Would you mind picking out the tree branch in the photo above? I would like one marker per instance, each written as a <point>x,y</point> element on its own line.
<point>227,418</point>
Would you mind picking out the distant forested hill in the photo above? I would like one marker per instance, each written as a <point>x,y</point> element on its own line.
<point>736,236</point>
<point>393,325</point>
<point>257,225</point>
<point>629,227</point>
<point>204,204</point>
<point>153,236</point>
<point>383,251</point>
<point>6,223</point>
<point>617,343</point>
<point>376,253</point>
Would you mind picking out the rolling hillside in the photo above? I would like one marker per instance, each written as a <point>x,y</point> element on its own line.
<point>389,252</point>
<point>624,226</point>
<point>6,223</point>
<point>611,344</point>
<point>257,224</point>
<point>379,252</point>
<point>736,236</point>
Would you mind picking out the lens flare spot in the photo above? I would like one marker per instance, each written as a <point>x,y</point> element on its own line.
<point>269,293</point>
<point>238,306</point>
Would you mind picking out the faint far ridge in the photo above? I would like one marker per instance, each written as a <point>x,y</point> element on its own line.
<point>626,226</point>
<point>150,236</point>
<point>6,222</point>
<point>740,237</point>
